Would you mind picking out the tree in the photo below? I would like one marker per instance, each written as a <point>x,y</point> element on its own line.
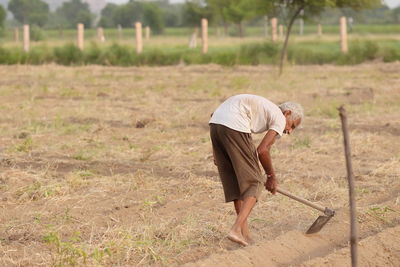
<point>106,19</point>
<point>194,11</point>
<point>396,15</point>
<point>373,16</point>
<point>29,11</point>
<point>217,7</point>
<point>127,14</point>
<point>56,21</point>
<point>74,12</point>
<point>233,11</point>
<point>3,15</point>
<point>172,14</point>
<point>292,8</point>
<point>236,11</point>
<point>153,17</point>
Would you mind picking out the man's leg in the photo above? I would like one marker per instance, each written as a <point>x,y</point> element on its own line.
<point>236,232</point>
<point>245,229</point>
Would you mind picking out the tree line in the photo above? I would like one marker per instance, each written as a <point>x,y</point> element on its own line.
<point>224,13</point>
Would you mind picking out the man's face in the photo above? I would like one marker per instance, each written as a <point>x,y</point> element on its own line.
<point>290,124</point>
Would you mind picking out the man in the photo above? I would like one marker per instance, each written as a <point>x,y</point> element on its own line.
<point>236,157</point>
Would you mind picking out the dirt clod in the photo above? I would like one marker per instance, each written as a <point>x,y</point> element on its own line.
<point>23,135</point>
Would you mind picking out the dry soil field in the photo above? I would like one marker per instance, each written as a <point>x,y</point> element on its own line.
<point>104,166</point>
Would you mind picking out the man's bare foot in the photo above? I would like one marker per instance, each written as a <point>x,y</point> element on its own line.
<point>238,238</point>
<point>249,240</point>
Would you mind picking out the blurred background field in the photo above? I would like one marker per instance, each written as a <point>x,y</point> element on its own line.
<point>252,51</point>
<point>239,33</point>
<point>171,48</point>
<point>181,35</point>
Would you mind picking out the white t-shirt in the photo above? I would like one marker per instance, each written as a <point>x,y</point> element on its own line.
<point>249,114</point>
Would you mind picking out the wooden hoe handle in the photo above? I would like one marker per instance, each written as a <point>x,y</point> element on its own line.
<point>302,200</point>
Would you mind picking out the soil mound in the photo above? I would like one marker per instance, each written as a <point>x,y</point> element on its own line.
<point>382,249</point>
<point>328,247</point>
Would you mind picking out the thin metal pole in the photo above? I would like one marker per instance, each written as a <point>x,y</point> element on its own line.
<point>350,179</point>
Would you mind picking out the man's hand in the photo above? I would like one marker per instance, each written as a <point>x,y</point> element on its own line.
<point>271,184</point>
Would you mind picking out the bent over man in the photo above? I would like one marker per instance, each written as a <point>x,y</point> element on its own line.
<point>236,157</point>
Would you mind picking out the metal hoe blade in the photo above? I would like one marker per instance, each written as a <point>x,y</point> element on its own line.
<point>321,220</point>
<point>318,224</point>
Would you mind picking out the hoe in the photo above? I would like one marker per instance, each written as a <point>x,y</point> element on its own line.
<point>321,220</point>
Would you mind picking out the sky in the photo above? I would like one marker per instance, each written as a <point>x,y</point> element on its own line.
<point>390,3</point>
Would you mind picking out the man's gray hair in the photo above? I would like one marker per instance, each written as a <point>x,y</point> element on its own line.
<point>295,108</point>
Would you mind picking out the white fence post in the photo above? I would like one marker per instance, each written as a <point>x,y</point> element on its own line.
<point>343,35</point>
<point>100,34</point>
<point>147,31</point>
<point>281,31</point>
<point>266,26</point>
<point>16,35</point>
<point>139,40</point>
<point>119,31</point>
<point>319,30</point>
<point>193,38</point>
<point>274,30</point>
<point>27,38</point>
<point>301,26</point>
<point>204,35</point>
<point>81,36</point>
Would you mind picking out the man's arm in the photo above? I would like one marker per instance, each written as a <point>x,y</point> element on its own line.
<point>264,156</point>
